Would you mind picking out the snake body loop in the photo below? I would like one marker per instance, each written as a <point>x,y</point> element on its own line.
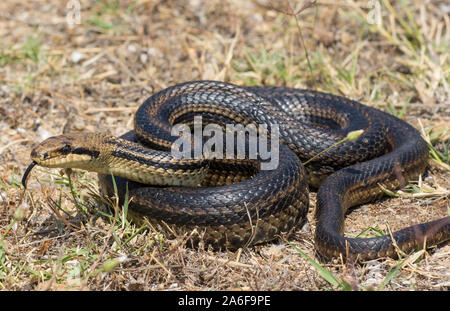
<point>240,204</point>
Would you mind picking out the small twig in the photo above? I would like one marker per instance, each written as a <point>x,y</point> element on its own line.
<point>161,265</point>
<point>228,262</point>
<point>221,75</point>
<point>15,142</point>
<point>305,6</point>
<point>114,109</point>
<point>60,217</point>
<point>68,172</point>
<point>44,89</point>
<point>297,22</point>
<point>124,67</point>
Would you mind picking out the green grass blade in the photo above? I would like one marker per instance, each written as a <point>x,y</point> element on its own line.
<point>392,274</point>
<point>324,273</point>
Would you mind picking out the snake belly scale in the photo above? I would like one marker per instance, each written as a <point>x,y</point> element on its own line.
<point>232,202</point>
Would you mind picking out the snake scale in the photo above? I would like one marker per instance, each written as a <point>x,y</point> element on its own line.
<point>233,202</point>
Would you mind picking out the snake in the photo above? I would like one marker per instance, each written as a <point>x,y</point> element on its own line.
<point>230,202</point>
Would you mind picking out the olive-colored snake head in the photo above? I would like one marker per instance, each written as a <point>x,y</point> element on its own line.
<point>67,151</point>
<point>74,150</point>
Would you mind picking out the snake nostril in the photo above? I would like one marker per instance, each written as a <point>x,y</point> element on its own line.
<point>36,155</point>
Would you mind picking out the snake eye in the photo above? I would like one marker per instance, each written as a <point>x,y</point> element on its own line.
<point>65,150</point>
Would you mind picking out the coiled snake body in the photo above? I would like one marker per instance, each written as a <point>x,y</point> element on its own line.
<point>240,204</point>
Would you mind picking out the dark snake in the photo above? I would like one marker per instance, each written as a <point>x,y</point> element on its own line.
<point>233,203</point>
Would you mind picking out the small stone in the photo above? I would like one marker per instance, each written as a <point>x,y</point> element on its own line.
<point>132,48</point>
<point>43,133</point>
<point>75,57</point>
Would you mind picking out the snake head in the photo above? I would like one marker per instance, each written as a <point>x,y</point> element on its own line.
<point>74,151</point>
<point>65,151</point>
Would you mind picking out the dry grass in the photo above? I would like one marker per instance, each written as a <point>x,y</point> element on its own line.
<point>56,80</point>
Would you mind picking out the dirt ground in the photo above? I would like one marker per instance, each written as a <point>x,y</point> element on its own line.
<point>58,75</point>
